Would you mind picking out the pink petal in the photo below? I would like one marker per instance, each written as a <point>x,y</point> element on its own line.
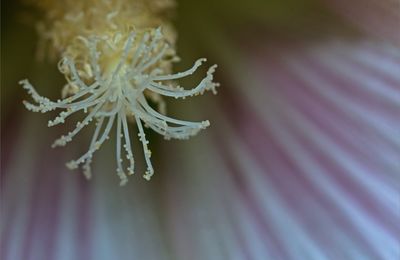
<point>44,213</point>
<point>49,212</point>
<point>379,18</point>
<point>303,162</point>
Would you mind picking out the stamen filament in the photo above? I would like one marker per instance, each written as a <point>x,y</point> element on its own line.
<point>117,89</point>
<point>147,152</point>
<point>86,167</point>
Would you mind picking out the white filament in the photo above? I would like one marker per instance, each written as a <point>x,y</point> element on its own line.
<point>120,93</point>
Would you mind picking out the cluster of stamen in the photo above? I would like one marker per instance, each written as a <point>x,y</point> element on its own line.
<point>119,92</point>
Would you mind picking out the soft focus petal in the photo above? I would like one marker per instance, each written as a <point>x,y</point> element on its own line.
<point>313,133</point>
<point>50,213</point>
<point>128,222</point>
<point>38,202</point>
<point>378,18</point>
<point>302,161</point>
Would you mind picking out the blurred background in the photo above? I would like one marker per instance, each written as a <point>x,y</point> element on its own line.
<point>301,161</point>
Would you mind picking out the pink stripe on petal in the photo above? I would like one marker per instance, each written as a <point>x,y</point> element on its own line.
<point>43,215</point>
<point>379,18</point>
<point>83,228</point>
<point>270,243</point>
<point>211,194</point>
<point>292,186</point>
<point>201,220</point>
<point>40,213</point>
<point>325,135</point>
<point>296,87</point>
<point>16,188</point>
<point>125,220</point>
<point>337,129</point>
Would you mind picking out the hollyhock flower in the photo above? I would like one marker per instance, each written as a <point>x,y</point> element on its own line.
<point>301,161</point>
<point>112,67</point>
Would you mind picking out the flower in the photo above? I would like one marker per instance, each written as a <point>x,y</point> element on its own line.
<point>301,161</point>
<point>118,73</point>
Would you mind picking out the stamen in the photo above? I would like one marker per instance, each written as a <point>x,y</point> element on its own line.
<point>63,140</point>
<point>125,53</point>
<point>74,164</point>
<point>182,74</point>
<point>127,145</point>
<point>147,152</point>
<point>152,46</point>
<point>120,171</point>
<point>153,60</point>
<point>86,167</point>
<point>140,50</point>
<point>121,91</point>
<point>94,58</point>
